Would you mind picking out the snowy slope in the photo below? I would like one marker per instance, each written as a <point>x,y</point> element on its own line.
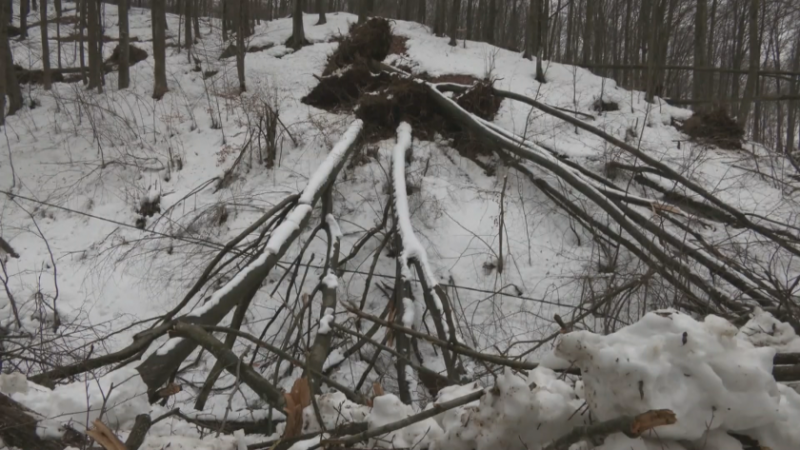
<point>102,154</point>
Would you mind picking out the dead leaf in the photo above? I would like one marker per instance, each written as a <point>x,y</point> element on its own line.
<point>652,419</point>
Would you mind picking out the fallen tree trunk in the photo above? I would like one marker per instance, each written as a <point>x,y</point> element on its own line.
<point>18,427</point>
<point>157,368</point>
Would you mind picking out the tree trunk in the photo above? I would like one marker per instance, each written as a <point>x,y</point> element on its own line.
<point>530,30</point>
<point>454,16</point>
<point>24,9</point>
<point>159,25</point>
<point>363,6</point>
<point>542,39</point>
<point>46,75</point>
<point>490,23</point>
<point>755,61</point>
<point>4,7</point>
<point>188,11</point>
<point>95,59</point>
<point>298,33</point>
<point>124,46</point>
<point>81,41</point>
<point>794,105</point>
<point>588,32</point>
<point>438,20</point>
<point>470,22</point>
<point>321,10</point>
<point>700,53</point>
<point>240,50</point>
<point>423,11</point>
<point>18,426</point>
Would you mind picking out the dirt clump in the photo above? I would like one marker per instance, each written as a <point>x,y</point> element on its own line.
<point>343,90</point>
<point>714,128</point>
<point>403,100</point>
<point>370,40</point>
<point>135,55</point>
<point>601,105</point>
<point>399,45</point>
<point>481,101</point>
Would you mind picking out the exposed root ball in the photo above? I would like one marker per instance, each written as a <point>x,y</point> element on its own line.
<point>402,100</point>
<point>343,90</point>
<point>715,128</point>
<point>370,40</point>
<point>480,101</point>
<point>135,55</point>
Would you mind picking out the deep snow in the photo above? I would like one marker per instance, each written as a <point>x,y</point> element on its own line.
<point>105,154</point>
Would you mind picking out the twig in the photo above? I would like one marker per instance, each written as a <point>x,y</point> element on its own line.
<point>631,426</point>
<point>437,409</point>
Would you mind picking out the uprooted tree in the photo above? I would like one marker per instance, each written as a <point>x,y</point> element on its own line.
<point>392,103</point>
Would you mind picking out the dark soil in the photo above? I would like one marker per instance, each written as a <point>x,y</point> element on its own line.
<point>399,46</point>
<point>342,91</point>
<point>714,128</point>
<point>370,40</point>
<point>601,105</point>
<point>135,55</point>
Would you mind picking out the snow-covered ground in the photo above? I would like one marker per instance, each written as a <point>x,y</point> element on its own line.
<point>101,156</point>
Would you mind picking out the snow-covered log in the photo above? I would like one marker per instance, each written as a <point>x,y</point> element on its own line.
<point>157,368</point>
<point>413,252</point>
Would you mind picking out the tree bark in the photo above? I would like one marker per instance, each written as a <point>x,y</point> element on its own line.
<point>298,32</point>
<point>95,59</point>
<point>24,9</point>
<point>454,22</point>
<point>439,20</point>
<point>755,62</point>
<point>124,46</point>
<point>794,106</point>
<point>18,427</point>
<point>46,75</point>
<point>321,10</point>
<point>241,20</point>
<point>159,25</point>
<point>188,11</point>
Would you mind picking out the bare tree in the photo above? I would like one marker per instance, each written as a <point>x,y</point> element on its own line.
<point>188,12</point>
<point>124,46</point>
<point>241,20</point>
<point>455,13</point>
<point>159,25</point>
<point>755,62</point>
<point>46,74</point>
<point>700,52</point>
<point>94,37</point>
<point>24,9</point>
<point>321,9</point>
<point>298,32</point>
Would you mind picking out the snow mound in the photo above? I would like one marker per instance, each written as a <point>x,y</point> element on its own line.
<point>121,395</point>
<point>388,409</point>
<point>516,414</point>
<point>764,330</point>
<point>700,370</point>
